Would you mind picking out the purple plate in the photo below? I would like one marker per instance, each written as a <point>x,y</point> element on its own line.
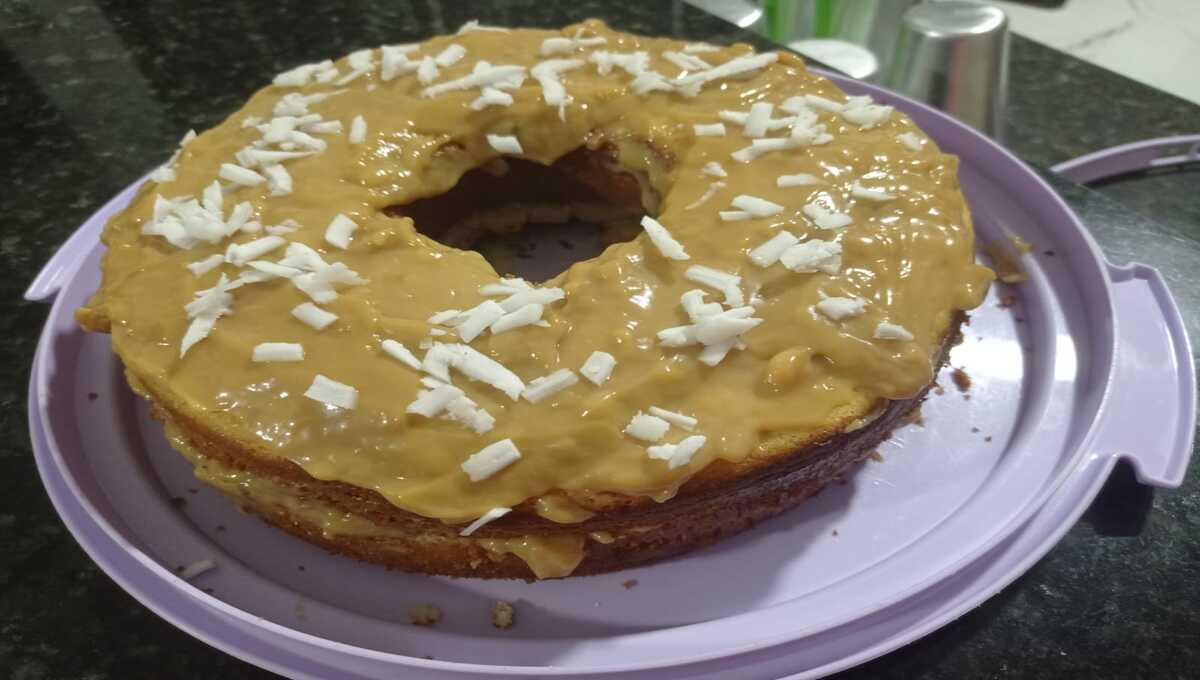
<point>1092,364</point>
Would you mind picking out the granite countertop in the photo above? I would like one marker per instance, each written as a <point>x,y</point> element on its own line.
<point>96,93</point>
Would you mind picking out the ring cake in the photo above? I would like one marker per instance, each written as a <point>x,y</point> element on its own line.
<point>295,294</point>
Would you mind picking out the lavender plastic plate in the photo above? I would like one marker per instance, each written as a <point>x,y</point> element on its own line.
<point>1092,364</point>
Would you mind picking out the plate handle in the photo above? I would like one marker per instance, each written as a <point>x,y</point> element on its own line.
<point>1150,410</point>
<point>1135,157</point>
<point>63,263</point>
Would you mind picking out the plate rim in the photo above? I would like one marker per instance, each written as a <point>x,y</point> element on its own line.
<point>998,536</point>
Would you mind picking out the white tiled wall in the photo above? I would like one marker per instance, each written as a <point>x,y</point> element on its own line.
<point>1154,41</point>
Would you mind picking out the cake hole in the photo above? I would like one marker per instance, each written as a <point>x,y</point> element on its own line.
<point>533,220</point>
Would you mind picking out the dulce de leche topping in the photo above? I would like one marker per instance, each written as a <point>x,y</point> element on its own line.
<point>827,236</point>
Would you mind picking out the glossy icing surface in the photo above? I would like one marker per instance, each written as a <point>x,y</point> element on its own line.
<point>909,257</point>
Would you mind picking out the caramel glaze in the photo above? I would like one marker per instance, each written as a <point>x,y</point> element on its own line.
<point>800,378</point>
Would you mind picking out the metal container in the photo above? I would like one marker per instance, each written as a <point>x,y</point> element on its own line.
<point>954,55</point>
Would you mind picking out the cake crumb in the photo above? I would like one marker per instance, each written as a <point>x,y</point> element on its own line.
<point>1024,247</point>
<point>179,502</point>
<point>1007,301</point>
<point>1005,263</point>
<point>630,583</point>
<point>916,417</point>
<point>938,389</point>
<point>1049,253</point>
<point>876,456</point>
<point>92,396</point>
<point>835,532</point>
<point>961,380</point>
<point>424,615</point>
<point>987,438</point>
<point>502,614</point>
<point>974,430</point>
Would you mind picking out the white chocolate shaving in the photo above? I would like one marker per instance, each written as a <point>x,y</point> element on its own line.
<point>757,207</point>
<point>560,45</point>
<point>678,419</point>
<point>728,284</point>
<point>677,455</point>
<point>279,180</point>
<point>647,428</point>
<point>711,191</point>
<point>825,218</point>
<point>400,353</point>
<point>759,147</point>
<point>768,253</point>
<point>208,306</point>
<point>662,240</point>
<point>474,25</point>
<point>526,315</point>
<point>812,256</point>
<point>598,367</point>
<point>506,144</point>
<point>505,287</point>
<point>838,308</point>
<point>823,103</point>
<point>710,130</point>
<point>798,180</point>
<point>301,75</point>
<point>484,75</point>
<point>339,231</point>
<point>358,130</point>
<point>206,265</point>
<point>491,459</point>
<point>278,351</point>
<point>547,74</point>
<point>477,319</point>
<point>690,85</point>
<point>633,63</point>
<point>240,255</point>
<point>197,568</point>
<point>758,120</point>
<point>450,56</point>
<point>547,386</point>
<point>490,96</point>
<point>857,190</point>
<point>427,71</point>
<point>471,363</point>
<point>313,316</point>
<point>686,61</point>
<point>890,331</point>
<point>486,518</point>
<point>714,169</point>
<point>910,140</point>
<point>862,112</point>
<point>332,392</point>
<point>239,175</point>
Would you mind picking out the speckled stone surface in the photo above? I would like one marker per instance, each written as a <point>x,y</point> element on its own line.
<point>93,94</point>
